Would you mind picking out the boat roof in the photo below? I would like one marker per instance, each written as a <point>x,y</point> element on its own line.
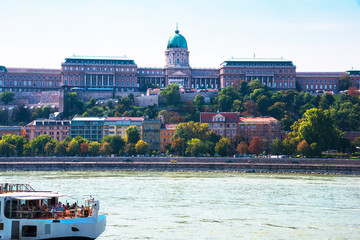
<point>32,195</point>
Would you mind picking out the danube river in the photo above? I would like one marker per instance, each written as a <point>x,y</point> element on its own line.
<point>207,205</point>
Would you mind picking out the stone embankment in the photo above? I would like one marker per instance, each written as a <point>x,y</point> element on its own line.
<point>286,165</point>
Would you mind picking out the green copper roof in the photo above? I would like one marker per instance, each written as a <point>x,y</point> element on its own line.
<point>177,41</point>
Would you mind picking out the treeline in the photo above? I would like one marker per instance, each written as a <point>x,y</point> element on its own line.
<point>255,99</point>
<point>44,145</point>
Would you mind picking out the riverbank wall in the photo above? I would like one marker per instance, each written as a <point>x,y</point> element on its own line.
<point>257,165</point>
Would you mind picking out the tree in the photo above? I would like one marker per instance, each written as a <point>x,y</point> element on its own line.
<point>73,104</point>
<point>277,147</point>
<point>171,94</point>
<point>117,143</point>
<point>73,148</point>
<point>49,148</point>
<point>251,109</point>
<point>226,98</point>
<point>105,149</point>
<point>132,135</point>
<point>195,147</point>
<point>21,114</point>
<point>171,117</point>
<point>142,147</point>
<point>326,101</point>
<point>6,149</point>
<point>60,148</point>
<point>6,97</point>
<point>242,148</point>
<point>94,148</point>
<point>237,106</point>
<point>37,144</point>
<point>223,146</point>
<point>178,146</point>
<point>256,146</point>
<point>317,127</point>
<point>84,148</point>
<point>17,141</point>
<point>199,100</point>
<point>191,130</point>
<point>353,91</point>
<point>345,82</point>
<point>303,148</point>
<point>130,149</point>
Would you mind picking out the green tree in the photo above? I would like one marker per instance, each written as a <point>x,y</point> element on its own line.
<point>237,106</point>
<point>6,97</point>
<point>6,149</point>
<point>132,135</point>
<point>117,143</point>
<point>226,98</point>
<point>345,82</point>
<point>49,148</point>
<point>277,147</point>
<point>60,148</point>
<point>17,141</point>
<point>191,130</point>
<point>171,94</point>
<point>73,104</point>
<point>37,144</point>
<point>105,149</point>
<point>21,114</point>
<point>94,148</point>
<point>73,148</point>
<point>317,127</point>
<point>142,147</point>
<point>199,100</point>
<point>326,101</point>
<point>223,147</point>
<point>195,147</point>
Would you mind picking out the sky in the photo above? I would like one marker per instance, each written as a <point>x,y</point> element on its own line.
<point>317,35</point>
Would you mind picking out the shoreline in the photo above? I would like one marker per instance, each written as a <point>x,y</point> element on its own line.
<point>240,165</point>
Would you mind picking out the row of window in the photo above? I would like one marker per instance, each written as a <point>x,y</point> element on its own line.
<point>99,83</point>
<point>261,71</point>
<point>318,80</point>
<point>28,83</point>
<point>99,69</point>
<point>30,77</point>
<point>320,87</point>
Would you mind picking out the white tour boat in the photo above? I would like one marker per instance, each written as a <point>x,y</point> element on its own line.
<point>29,214</point>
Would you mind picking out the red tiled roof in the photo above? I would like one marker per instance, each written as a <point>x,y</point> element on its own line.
<point>257,119</point>
<point>170,126</point>
<point>212,114</point>
<point>124,119</point>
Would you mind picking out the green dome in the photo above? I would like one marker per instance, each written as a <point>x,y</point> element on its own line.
<point>177,41</point>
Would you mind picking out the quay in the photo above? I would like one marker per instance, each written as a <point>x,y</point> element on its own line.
<point>252,165</point>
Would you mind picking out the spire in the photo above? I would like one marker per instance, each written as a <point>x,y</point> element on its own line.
<point>177,30</point>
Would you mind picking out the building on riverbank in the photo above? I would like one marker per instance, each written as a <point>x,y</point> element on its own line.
<point>118,125</point>
<point>167,131</point>
<point>55,128</point>
<point>13,130</point>
<point>90,128</point>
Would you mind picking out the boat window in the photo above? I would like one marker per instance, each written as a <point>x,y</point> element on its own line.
<point>0,209</point>
<point>1,226</point>
<point>10,208</point>
<point>29,231</point>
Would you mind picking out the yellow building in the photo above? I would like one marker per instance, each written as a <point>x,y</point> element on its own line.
<point>118,125</point>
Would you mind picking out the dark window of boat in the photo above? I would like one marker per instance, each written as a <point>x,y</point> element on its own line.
<point>1,226</point>
<point>47,229</point>
<point>29,231</point>
<point>10,208</point>
<point>75,229</point>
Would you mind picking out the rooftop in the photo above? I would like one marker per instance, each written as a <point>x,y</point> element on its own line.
<point>76,118</point>
<point>319,74</point>
<point>34,70</point>
<point>258,60</point>
<point>124,119</point>
<point>258,119</point>
<point>98,57</point>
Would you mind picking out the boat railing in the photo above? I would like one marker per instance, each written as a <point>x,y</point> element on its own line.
<point>51,214</point>
<point>14,187</point>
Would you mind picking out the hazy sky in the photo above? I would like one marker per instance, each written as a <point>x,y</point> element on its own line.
<point>317,35</point>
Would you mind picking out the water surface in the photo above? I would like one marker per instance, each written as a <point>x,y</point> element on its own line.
<point>183,205</point>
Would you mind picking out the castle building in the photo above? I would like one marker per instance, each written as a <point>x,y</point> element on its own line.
<point>121,74</point>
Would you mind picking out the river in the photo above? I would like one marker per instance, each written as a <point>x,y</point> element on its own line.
<point>208,205</point>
